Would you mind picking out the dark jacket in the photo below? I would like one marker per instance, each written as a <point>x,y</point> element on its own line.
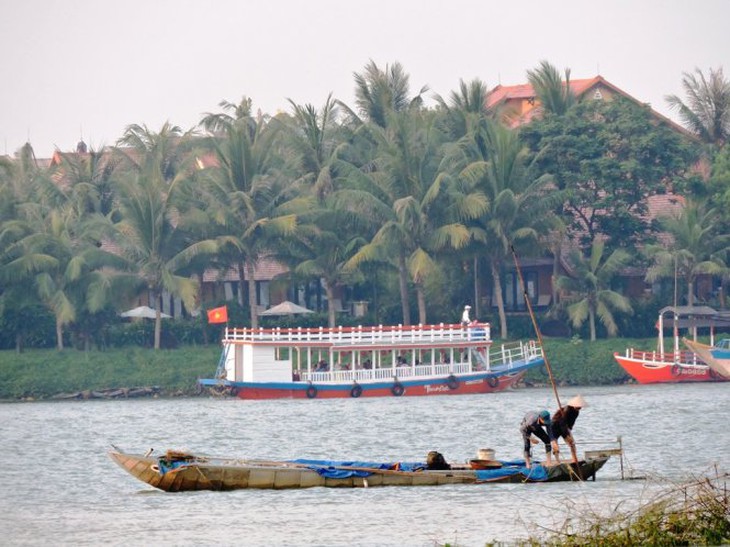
<point>564,420</point>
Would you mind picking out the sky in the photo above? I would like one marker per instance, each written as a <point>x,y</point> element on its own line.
<point>86,69</point>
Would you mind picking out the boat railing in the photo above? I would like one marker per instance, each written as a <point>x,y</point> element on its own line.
<point>506,355</point>
<point>681,356</point>
<point>503,358</point>
<point>348,336</point>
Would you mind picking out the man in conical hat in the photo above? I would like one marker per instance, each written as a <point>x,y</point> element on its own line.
<point>563,422</point>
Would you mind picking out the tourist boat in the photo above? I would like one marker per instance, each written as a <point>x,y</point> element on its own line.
<point>651,367</point>
<point>717,356</point>
<point>368,362</point>
<point>178,471</point>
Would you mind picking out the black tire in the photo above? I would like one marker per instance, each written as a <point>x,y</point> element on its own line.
<point>356,391</point>
<point>397,389</point>
<point>311,392</point>
<point>453,382</point>
<point>492,381</point>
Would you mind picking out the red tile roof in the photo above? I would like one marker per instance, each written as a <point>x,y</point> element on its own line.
<point>503,95</point>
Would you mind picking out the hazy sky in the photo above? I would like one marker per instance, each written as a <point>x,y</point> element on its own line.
<point>89,68</point>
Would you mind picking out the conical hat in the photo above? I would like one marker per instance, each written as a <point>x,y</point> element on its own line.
<point>577,402</point>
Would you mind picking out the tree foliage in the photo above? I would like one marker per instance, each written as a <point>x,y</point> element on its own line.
<point>610,156</point>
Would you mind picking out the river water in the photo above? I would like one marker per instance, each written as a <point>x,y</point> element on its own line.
<point>58,486</point>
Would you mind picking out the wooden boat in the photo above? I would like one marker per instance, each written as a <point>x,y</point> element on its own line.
<point>650,367</point>
<point>177,471</point>
<point>716,356</point>
<point>445,359</point>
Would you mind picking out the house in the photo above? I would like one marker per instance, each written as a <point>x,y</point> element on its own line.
<point>517,105</point>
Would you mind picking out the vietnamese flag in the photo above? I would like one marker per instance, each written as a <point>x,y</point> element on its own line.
<point>218,315</point>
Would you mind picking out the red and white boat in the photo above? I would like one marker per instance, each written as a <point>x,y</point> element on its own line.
<point>660,366</point>
<point>445,359</point>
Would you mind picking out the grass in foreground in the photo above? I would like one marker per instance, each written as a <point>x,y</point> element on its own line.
<point>696,513</point>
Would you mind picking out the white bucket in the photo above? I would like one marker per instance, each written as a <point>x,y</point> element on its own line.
<point>485,454</point>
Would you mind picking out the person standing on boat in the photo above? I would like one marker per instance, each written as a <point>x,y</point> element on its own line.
<point>540,425</point>
<point>465,316</point>
<point>563,421</point>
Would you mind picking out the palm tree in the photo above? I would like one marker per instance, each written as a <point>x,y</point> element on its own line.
<point>519,203</point>
<point>466,109</point>
<point>555,96</point>
<point>707,111</point>
<point>89,177</point>
<point>245,192</point>
<point>403,189</point>
<point>57,249</point>
<point>324,240</point>
<point>411,199</point>
<point>697,247</point>
<point>152,233</point>
<point>588,290</point>
<point>379,92</point>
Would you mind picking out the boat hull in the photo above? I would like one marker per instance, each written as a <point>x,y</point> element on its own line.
<point>379,361</point>
<point>206,474</point>
<point>718,359</point>
<point>656,370</point>
<point>461,385</point>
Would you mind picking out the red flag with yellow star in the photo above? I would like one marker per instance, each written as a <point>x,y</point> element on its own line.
<point>218,315</point>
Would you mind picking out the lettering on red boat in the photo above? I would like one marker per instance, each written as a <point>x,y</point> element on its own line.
<point>436,389</point>
<point>685,371</point>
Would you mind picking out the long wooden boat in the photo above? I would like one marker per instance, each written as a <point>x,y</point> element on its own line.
<point>177,472</point>
<point>717,356</point>
<point>445,359</point>
<point>660,366</point>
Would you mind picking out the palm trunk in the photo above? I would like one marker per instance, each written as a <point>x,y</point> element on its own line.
<point>158,328</point>
<point>331,315</point>
<point>477,297</point>
<point>592,324</point>
<point>500,301</point>
<point>556,275</point>
<point>59,334</point>
<point>421,298</point>
<point>241,283</point>
<point>691,302</point>
<point>252,304</point>
<point>404,297</point>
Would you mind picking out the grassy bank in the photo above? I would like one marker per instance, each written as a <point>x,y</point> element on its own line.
<point>695,513</point>
<point>39,374</point>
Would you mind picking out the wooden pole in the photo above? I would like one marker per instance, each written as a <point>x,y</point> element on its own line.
<point>534,324</point>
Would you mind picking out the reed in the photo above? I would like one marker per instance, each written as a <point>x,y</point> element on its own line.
<point>693,513</point>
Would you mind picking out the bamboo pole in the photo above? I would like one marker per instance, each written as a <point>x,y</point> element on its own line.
<point>537,329</point>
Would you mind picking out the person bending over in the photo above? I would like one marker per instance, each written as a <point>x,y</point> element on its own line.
<point>540,425</point>
<point>562,423</point>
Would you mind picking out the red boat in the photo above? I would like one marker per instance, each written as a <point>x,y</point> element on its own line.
<point>382,361</point>
<point>653,367</point>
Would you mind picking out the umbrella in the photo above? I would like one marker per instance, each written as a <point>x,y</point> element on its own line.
<point>286,308</point>
<point>143,311</point>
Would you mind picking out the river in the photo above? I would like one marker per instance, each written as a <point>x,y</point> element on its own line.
<point>60,487</point>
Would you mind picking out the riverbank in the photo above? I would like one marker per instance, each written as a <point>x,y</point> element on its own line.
<point>46,374</point>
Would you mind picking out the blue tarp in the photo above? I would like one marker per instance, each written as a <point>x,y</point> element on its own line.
<point>536,473</point>
<point>333,469</point>
<point>166,466</point>
<point>330,468</point>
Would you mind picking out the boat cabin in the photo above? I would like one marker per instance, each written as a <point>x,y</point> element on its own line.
<point>358,354</point>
